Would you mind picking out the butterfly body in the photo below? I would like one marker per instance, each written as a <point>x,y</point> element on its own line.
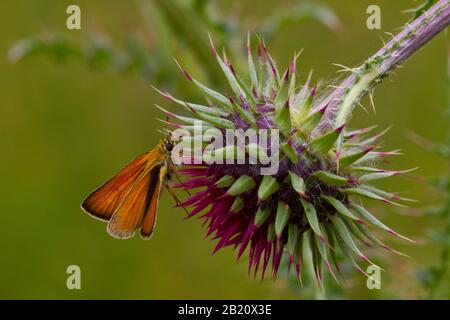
<point>129,200</point>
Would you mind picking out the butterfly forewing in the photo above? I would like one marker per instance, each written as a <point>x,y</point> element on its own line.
<point>105,200</point>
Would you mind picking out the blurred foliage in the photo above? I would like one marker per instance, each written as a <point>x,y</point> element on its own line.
<point>178,23</point>
<point>97,52</point>
<point>437,278</point>
<point>299,13</point>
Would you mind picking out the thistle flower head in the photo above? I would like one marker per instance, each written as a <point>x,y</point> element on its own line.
<point>311,200</point>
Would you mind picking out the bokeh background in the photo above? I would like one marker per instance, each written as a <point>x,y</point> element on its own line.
<point>67,125</point>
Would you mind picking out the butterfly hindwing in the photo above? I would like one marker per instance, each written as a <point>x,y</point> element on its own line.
<point>139,207</point>
<point>148,223</point>
<point>128,217</point>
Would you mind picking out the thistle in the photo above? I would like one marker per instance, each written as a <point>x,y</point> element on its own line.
<point>312,201</point>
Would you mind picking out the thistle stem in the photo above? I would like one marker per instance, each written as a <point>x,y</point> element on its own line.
<point>342,100</point>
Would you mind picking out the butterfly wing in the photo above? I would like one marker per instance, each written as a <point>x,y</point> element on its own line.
<point>129,215</point>
<point>148,223</point>
<point>104,201</point>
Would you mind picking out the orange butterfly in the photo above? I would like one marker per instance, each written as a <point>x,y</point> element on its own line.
<point>129,200</point>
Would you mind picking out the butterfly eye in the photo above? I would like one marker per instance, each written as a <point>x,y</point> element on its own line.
<point>169,146</point>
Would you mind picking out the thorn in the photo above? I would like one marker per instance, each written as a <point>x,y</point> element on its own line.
<point>186,74</point>
<point>394,203</point>
<point>324,108</point>
<point>166,95</point>
<point>308,80</point>
<point>336,87</point>
<point>344,68</point>
<point>382,40</point>
<point>372,102</point>
<point>369,148</point>
<point>364,108</point>
<point>389,153</point>
<point>400,236</point>
<point>176,125</point>
<point>213,48</point>
<point>313,91</point>
<point>286,76</point>
<point>390,34</point>
<point>171,114</point>
<point>340,129</point>
<point>421,141</point>
<point>259,49</point>
<point>293,65</point>
<point>395,251</point>
<point>249,48</point>
<point>190,108</point>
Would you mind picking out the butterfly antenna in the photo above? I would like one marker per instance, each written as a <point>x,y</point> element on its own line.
<point>166,128</point>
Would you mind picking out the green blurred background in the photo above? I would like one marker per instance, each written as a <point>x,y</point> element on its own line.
<point>65,128</point>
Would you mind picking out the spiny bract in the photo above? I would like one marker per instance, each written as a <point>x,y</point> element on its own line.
<point>310,200</point>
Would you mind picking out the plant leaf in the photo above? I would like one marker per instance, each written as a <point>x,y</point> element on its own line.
<point>242,184</point>
<point>324,143</point>
<point>330,179</point>
<point>341,208</point>
<point>282,218</point>
<point>268,187</point>
<point>311,216</point>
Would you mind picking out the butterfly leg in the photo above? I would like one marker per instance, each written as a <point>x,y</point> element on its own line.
<point>173,171</point>
<point>174,195</point>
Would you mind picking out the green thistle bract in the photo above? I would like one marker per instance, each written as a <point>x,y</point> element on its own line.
<point>311,197</point>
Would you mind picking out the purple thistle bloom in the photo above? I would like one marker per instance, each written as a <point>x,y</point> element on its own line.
<point>309,202</point>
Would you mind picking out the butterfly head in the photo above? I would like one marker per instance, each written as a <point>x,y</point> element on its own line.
<point>168,145</point>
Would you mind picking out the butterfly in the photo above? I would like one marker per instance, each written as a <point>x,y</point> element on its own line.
<point>129,200</point>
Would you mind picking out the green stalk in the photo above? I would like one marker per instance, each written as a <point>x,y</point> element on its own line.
<point>186,26</point>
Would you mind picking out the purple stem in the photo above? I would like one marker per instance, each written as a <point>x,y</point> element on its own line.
<point>400,48</point>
